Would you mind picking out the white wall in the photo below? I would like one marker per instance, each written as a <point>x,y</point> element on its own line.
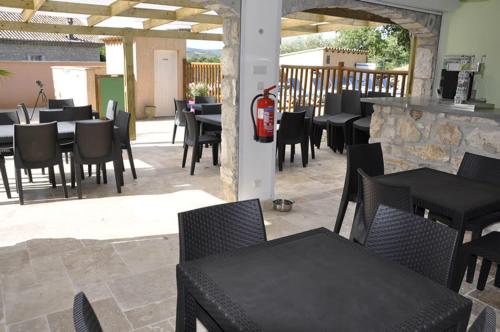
<point>310,58</point>
<point>114,59</point>
<point>423,5</point>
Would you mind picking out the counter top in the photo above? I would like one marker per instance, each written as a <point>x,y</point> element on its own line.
<point>436,105</point>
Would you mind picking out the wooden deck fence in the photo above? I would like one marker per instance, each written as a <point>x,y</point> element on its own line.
<point>307,85</point>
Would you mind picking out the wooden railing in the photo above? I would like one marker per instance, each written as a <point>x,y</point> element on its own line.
<point>308,85</point>
<point>208,73</point>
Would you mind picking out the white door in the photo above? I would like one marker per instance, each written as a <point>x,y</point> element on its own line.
<point>165,82</point>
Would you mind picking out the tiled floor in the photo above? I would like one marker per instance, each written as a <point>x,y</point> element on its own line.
<point>122,249</point>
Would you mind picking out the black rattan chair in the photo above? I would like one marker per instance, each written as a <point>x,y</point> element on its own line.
<point>77,113</point>
<point>333,105</point>
<point>309,117</point>
<point>84,317</point>
<point>196,140</point>
<point>361,127</point>
<point>8,118</point>
<point>421,245</point>
<point>340,125</point>
<point>122,121</point>
<point>58,116</point>
<point>210,109</point>
<point>26,115</point>
<point>111,110</point>
<point>292,131</point>
<point>487,247</point>
<point>205,100</point>
<point>36,146</point>
<point>485,322</point>
<point>367,157</point>
<point>95,144</point>
<point>180,120</point>
<point>60,103</point>
<point>372,194</point>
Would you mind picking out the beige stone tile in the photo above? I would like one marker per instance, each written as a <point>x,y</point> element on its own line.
<point>158,327</point>
<point>93,265</point>
<point>490,295</point>
<point>95,291</point>
<point>152,313</point>
<point>14,262</point>
<point>144,288</point>
<point>110,316</point>
<point>2,328</point>
<point>48,267</point>
<point>35,325</point>
<point>61,321</point>
<point>45,247</point>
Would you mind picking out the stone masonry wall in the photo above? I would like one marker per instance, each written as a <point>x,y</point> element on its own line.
<point>412,139</point>
<point>19,51</point>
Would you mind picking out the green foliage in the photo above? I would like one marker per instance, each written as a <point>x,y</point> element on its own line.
<point>4,73</point>
<point>198,89</point>
<point>305,43</point>
<point>204,58</point>
<point>102,54</point>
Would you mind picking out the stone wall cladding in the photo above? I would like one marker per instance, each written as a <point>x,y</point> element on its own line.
<point>413,139</point>
<point>19,51</point>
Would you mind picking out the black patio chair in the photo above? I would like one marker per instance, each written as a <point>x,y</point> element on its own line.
<point>60,103</point>
<point>205,99</point>
<point>9,118</point>
<point>58,116</point>
<point>292,131</point>
<point>485,322</point>
<point>26,115</point>
<point>361,127</point>
<point>122,121</point>
<point>370,159</point>
<point>5,178</point>
<point>340,125</point>
<point>333,105</point>
<point>309,117</point>
<point>197,140</point>
<point>36,146</point>
<point>111,110</point>
<point>77,113</point>
<point>372,194</point>
<point>180,120</point>
<point>422,245</point>
<point>214,230</point>
<point>208,109</point>
<point>95,144</point>
<point>84,317</point>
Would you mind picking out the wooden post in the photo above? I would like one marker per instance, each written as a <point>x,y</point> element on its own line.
<point>411,67</point>
<point>340,76</point>
<point>129,82</point>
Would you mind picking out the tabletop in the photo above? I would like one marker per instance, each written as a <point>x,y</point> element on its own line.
<point>199,107</point>
<point>216,119</point>
<point>318,281</point>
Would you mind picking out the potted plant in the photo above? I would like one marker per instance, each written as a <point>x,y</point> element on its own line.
<point>4,73</point>
<point>198,89</point>
<point>149,111</point>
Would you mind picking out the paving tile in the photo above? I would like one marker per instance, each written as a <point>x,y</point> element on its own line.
<point>35,325</point>
<point>2,317</point>
<point>14,262</point>
<point>490,295</point>
<point>61,321</point>
<point>48,267</point>
<point>94,264</point>
<point>158,327</point>
<point>152,313</point>
<point>110,316</point>
<point>45,247</point>
<point>144,288</point>
<point>95,291</point>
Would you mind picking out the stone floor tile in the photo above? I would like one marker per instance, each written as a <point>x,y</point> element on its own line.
<point>158,327</point>
<point>61,321</point>
<point>110,316</point>
<point>95,291</point>
<point>34,325</point>
<point>14,262</point>
<point>2,328</point>
<point>45,247</point>
<point>490,295</point>
<point>152,313</point>
<point>48,267</point>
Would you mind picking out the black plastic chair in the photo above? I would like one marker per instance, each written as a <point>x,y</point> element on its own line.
<point>60,103</point>
<point>419,244</point>
<point>214,230</point>
<point>372,194</point>
<point>58,116</point>
<point>209,109</point>
<point>196,140</point>
<point>36,146</point>
<point>8,118</point>
<point>485,322</point>
<point>122,121</point>
<point>84,317</point>
<point>333,105</point>
<point>77,113</point>
<point>95,144</point>
<point>370,159</point>
<point>5,178</point>
<point>180,120</point>
<point>340,125</point>
<point>26,115</point>
<point>361,127</point>
<point>205,99</point>
<point>292,131</point>
<point>309,117</point>
<point>111,110</point>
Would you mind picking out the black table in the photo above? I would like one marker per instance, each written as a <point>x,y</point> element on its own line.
<point>66,130</point>
<point>199,107</point>
<point>314,281</point>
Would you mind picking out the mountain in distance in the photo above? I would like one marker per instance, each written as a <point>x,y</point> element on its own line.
<point>202,53</point>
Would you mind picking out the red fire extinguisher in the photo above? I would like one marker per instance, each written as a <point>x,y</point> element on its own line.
<point>264,126</point>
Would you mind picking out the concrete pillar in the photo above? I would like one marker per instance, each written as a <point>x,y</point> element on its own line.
<point>129,81</point>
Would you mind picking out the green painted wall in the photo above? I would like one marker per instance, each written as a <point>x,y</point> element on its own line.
<point>474,28</point>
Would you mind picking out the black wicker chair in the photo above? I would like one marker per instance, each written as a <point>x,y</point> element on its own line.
<point>5,178</point>
<point>36,146</point>
<point>205,100</point>
<point>84,317</point>
<point>26,115</point>
<point>340,125</point>
<point>485,322</point>
<point>60,103</point>
<point>421,245</point>
<point>95,144</point>
<point>122,121</point>
<point>214,230</point>
<point>111,110</point>
<point>361,127</point>
<point>77,113</point>
<point>309,117</point>
<point>180,120</point>
<point>8,118</point>
<point>196,140</point>
<point>333,105</point>
<point>292,131</point>
<point>367,157</point>
<point>210,109</point>
<point>372,194</point>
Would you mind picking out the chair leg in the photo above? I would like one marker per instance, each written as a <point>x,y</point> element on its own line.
<point>497,277</point>
<point>131,161</point>
<point>292,153</point>
<point>281,156</point>
<point>483,274</point>
<point>175,131</point>
<point>63,178</point>
<point>344,201</point>
<point>194,158</point>
<point>52,176</point>
<point>313,154</point>
<point>98,173</point>
<point>5,178</point>
<point>82,173</point>
<point>30,176</point>
<point>200,153</point>
<point>66,156</point>
<point>72,172</point>
<point>78,170</point>
<point>118,175</point>
<point>104,174</point>
<point>19,183</point>
<point>215,154</point>
<point>471,267</point>
<point>305,153</point>
<point>184,155</point>
<point>89,170</point>
<point>43,171</point>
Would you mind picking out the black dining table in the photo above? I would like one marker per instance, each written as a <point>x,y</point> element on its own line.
<point>314,281</point>
<point>216,119</point>
<point>65,129</point>
<point>199,107</point>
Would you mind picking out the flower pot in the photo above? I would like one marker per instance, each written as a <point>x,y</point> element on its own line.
<point>149,111</point>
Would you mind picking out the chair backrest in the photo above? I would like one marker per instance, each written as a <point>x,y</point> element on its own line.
<point>122,121</point>
<point>309,109</point>
<point>84,317</point>
<point>481,168</point>
<point>25,112</point>
<point>57,116</point>
<point>367,108</point>
<point>351,102</point>
<point>78,113</point>
<point>36,146</point>
<point>204,100</point>
<point>193,130</point>
<point>211,109</point>
<point>93,141</point>
<point>485,322</point>
<point>9,118</point>
<point>372,194</point>
<point>292,127</point>
<point>220,228</point>
<point>333,103</point>
<point>111,109</point>
<point>180,106</point>
<point>60,103</point>
<point>422,245</point>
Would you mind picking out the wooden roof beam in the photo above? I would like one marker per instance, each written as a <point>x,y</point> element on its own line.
<point>27,14</point>
<point>116,8</point>
<point>182,14</point>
